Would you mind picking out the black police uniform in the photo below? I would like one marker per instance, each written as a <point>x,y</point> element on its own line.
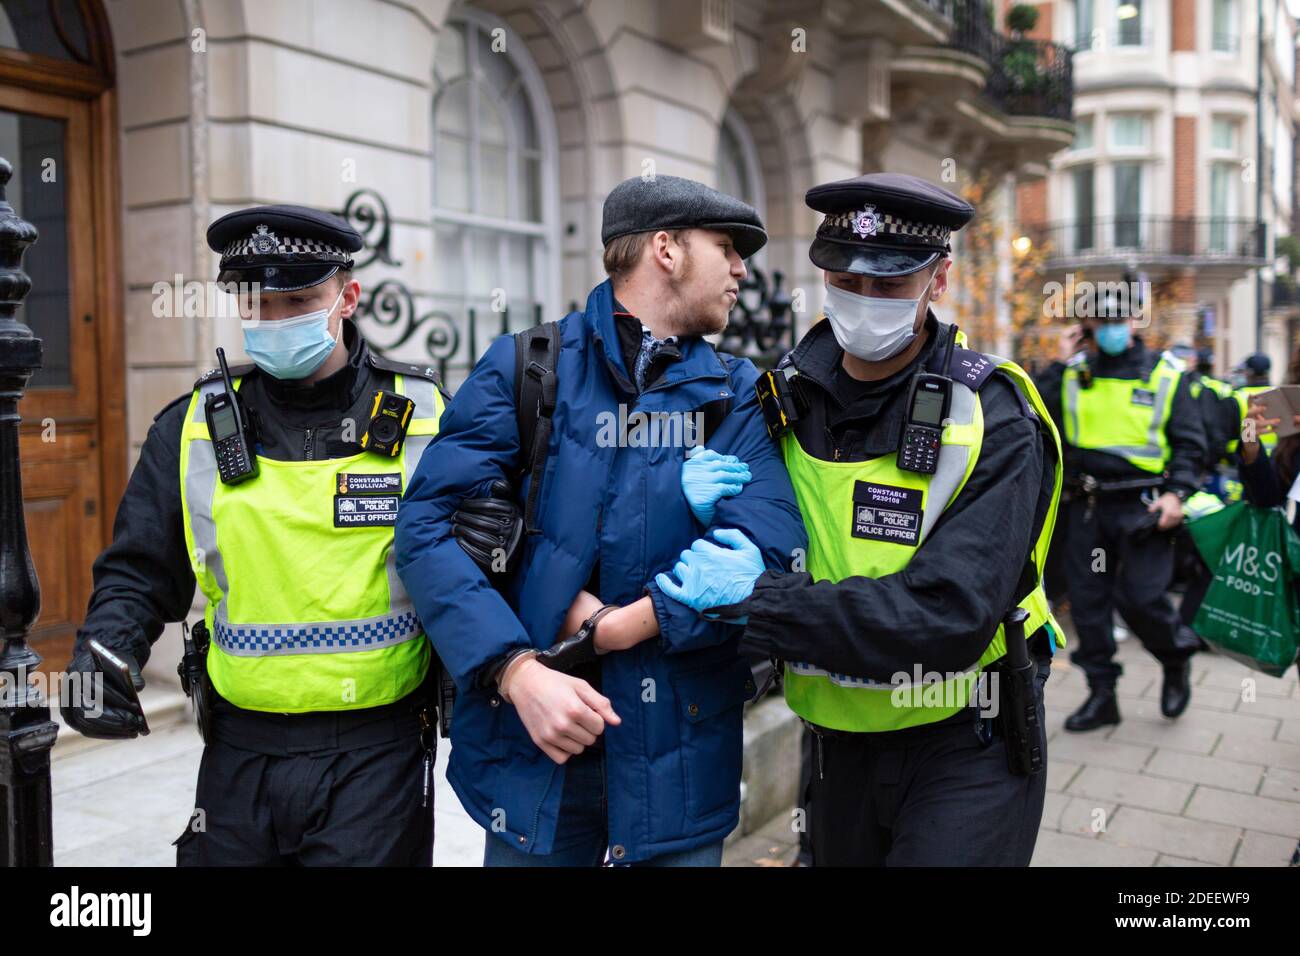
<point>345,788</point>
<point>939,793</point>
<point>1139,559</point>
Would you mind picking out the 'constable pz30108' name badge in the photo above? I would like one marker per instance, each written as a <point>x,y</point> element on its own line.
<point>1144,396</point>
<point>886,513</point>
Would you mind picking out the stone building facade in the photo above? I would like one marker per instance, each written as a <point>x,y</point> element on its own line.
<point>473,142</point>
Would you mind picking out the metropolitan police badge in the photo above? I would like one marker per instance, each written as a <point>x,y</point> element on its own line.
<point>866,221</point>
<point>264,241</point>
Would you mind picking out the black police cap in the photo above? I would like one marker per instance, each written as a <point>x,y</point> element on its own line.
<point>884,224</point>
<point>282,247</point>
<point>670,202</point>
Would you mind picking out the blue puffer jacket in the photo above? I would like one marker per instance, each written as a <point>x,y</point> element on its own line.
<point>673,765</point>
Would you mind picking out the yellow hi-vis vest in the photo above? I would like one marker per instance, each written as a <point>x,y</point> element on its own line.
<point>1122,416</point>
<point>305,608</point>
<point>825,492</point>
<point>1243,396</point>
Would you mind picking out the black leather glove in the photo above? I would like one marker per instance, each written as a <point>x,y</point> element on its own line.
<point>105,715</point>
<point>491,529</point>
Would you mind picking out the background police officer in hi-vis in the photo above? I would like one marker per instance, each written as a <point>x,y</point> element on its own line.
<point>1134,449</point>
<point>928,476</point>
<point>319,748</point>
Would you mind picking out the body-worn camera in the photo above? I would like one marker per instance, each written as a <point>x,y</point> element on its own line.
<point>390,416</point>
<point>777,399</point>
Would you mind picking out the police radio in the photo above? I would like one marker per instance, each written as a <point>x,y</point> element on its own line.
<point>390,416</point>
<point>927,407</point>
<point>231,430</point>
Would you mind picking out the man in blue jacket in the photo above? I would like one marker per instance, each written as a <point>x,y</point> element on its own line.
<point>639,751</point>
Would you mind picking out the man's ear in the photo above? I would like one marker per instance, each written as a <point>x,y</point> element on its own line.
<point>940,280</point>
<point>351,298</point>
<point>666,252</point>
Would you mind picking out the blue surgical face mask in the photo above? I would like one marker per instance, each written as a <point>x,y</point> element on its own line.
<point>873,328</point>
<point>1113,338</point>
<point>294,347</point>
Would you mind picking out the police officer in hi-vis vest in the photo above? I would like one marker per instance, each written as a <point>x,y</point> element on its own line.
<point>1135,447</point>
<point>278,496</point>
<point>928,476</point>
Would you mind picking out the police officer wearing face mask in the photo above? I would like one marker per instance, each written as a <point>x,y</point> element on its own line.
<point>318,673</point>
<point>928,522</point>
<point>1135,446</point>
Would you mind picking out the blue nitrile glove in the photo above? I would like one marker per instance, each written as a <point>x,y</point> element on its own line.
<point>712,576</point>
<point>708,476</point>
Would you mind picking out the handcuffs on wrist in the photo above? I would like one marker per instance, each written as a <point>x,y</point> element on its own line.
<point>579,649</point>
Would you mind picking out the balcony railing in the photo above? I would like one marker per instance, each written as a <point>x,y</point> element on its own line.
<point>1153,236</point>
<point>1026,77</point>
<point>973,31</point>
<point>1284,295</point>
<point>945,8</point>
<point>1033,78</point>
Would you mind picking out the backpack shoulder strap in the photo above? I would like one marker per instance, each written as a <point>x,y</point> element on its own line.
<point>537,352</point>
<point>716,411</point>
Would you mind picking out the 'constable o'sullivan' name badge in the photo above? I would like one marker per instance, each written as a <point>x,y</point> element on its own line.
<point>362,483</point>
<point>365,500</point>
<point>886,513</point>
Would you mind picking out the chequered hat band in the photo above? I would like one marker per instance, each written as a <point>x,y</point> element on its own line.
<point>862,225</point>
<point>264,243</point>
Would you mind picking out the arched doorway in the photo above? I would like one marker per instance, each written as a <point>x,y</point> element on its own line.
<point>57,128</point>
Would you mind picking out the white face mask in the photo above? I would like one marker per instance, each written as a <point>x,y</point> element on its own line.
<point>871,327</point>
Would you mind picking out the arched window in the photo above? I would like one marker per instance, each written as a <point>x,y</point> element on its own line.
<point>494,198</point>
<point>739,173</point>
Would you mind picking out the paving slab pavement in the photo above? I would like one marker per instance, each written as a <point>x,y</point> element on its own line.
<point>1220,786</point>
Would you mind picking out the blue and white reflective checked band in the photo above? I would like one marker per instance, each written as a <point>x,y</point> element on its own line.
<point>364,635</point>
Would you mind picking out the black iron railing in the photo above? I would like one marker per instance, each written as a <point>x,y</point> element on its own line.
<point>27,733</point>
<point>1032,78</point>
<point>1026,77</point>
<point>945,8</point>
<point>1285,294</point>
<point>1175,236</point>
<point>973,29</point>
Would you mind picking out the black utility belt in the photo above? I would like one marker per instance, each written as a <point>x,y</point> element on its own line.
<point>1090,485</point>
<point>958,723</point>
<point>278,734</point>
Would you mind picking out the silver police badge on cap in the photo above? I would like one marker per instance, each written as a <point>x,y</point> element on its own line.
<point>264,241</point>
<point>865,221</point>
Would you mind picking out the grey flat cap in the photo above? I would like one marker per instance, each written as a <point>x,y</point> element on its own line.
<point>670,202</point>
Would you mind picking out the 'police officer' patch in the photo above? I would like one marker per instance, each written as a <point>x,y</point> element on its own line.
<point>886,513</point>
<point>1144,396</point>
<point>365,511</point>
